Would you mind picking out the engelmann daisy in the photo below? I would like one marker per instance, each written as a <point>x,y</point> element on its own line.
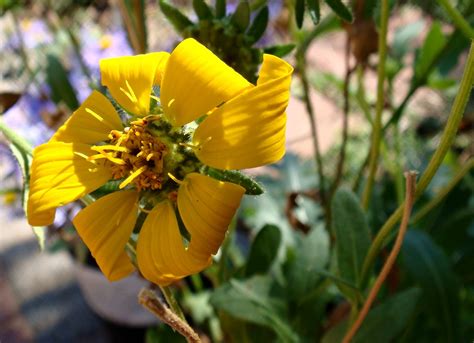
<point>152,146</point>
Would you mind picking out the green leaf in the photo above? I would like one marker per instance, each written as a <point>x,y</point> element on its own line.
<point>340,9</point>
<point>241,16</point>
<point>259,25</point>
<point>314,10</point>
<point>299,13</point>
<point>61,89</point>
<point>220,8</point>
<point>310,256</point>
<point>352,235</point>
<point>24,162</point>
<point>434,43</point>
<point>280,50</point>
<point>383,323</point>
<point>179,21</point>
<point>263,251</point>
<point>253,301</point>
<point>251,186</point>
<point>202,10</point>
<point>431,269</point>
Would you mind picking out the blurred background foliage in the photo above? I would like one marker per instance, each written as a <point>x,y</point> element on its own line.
<point>292,266</point>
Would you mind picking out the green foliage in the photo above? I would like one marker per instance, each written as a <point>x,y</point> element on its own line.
<point>434,43</point>
<point>255,301</point>
<point>61,89</point>
<point>263,251</point>
<point>384,322</point>
<point>352,235</point>
<point>337,6</point>
<point>431,269</point>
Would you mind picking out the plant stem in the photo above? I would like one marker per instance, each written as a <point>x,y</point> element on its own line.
<point>409,199</point>
<point>345,122</point>
<point>76,47</point>
<point>172,302</point>
<point>447,138</point>
<point>152,303</point>
<point>15,139</point>
<point>457,18</point>
<point>24,56</point>
<point>360,95</point>
<point>314,131</point>
<point>377,129</point>
<point>444,191</point>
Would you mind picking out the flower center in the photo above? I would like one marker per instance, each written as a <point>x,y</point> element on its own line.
<point>134,155</point>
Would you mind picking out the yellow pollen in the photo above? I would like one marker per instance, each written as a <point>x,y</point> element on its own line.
<point>134,175</point>
<point>149,156</point>
<point>101,148</point>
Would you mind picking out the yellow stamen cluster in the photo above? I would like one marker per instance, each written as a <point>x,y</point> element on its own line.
<point>134,155</point>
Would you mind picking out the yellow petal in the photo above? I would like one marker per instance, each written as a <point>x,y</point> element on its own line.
<point>161,254</point>
<point>207,206</point>
<point>130,79</point>
<point>60,174</point>
<point>249,130</point>
<point>105,227</point>
<point>90,123</point>
<point>195,81</point>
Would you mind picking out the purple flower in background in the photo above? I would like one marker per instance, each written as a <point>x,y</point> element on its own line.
<point>97,45</point>
<point>34,34</point>
<point>27,120</point>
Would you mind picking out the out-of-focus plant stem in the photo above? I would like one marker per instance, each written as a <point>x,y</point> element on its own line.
<point>301,65</point>
<point>345,121</point>
<point>377,128</point>
<point>449,133</point>
<point>457,18</point>
<point>360,95</point>
<point>444,191</point>
<point>408,205</point>
<point>134,30</point>
<point>76,47</point>
<point>23,55</point>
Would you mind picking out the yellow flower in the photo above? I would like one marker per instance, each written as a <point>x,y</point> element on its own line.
<point>158,162</point>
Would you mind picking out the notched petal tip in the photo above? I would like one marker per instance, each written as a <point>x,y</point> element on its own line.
<point>249,130</point>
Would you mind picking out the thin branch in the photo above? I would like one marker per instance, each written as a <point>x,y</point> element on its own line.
<point>345,121</point>
<point>314,131</point>
<point>444,191</point>
<point>379,106</point>
<point>148,299</point>
<point>449,133</point>
<point>409,199</point>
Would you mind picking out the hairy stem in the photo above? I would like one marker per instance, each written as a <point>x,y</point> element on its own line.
<point>148,299</point>
<point>377,129</point>
<point>447,138</point>
<point>409,199</point>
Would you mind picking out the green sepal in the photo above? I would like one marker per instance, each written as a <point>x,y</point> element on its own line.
<point>251,186</point>
<point>340,9</point>
<point>259,25</point>
<point>314,10</point>
<point>61,89</point>
<point>299,13</point>
<point>279,50</point>
<point>179,21</point>
<point>241,16</point>
<point>24,161</point>
<point>202,10</point>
